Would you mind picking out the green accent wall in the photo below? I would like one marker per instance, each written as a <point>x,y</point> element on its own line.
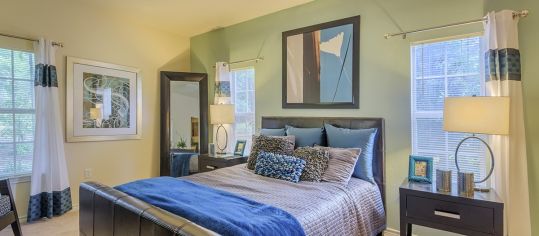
<point>384,68</point>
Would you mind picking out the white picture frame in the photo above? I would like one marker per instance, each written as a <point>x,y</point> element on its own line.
<point>103,101</point>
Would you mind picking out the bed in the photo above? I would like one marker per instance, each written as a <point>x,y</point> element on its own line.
<point>321,208</point>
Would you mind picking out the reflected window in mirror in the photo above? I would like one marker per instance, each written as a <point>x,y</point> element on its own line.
<point>243,97</point>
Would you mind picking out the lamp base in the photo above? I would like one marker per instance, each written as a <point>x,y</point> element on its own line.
<point>491,161</point>
<point>222,150</point>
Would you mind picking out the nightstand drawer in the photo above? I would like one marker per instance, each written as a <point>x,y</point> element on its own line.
<point>207,163</point>
<point>211,164</point>
<point>450,213</point>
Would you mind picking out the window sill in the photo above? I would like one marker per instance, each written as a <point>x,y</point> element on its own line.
<point>20,179</point>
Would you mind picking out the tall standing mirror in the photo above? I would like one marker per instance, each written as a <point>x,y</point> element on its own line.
<point>184,121</point>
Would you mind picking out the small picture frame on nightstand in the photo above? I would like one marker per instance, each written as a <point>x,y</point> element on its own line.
<point>420,169</point>
<point>240,147</point>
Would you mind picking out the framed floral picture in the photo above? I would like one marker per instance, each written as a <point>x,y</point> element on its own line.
<point>420,169</point>
<point>103,101</point>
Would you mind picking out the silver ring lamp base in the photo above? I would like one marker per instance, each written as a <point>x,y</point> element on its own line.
<point>491,161</point>
<point>222,150</point>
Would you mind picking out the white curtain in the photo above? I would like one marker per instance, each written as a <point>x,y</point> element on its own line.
<point>223,96</point>
<point>502,73</point>
<point>50,194</point>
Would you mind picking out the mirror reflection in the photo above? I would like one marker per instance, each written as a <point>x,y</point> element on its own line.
<point>184,116</point>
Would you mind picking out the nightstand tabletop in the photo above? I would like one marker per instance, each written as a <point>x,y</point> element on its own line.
<point>221,156</point>
<point>490,196</point>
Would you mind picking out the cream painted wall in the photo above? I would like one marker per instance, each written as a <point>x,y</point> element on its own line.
<point>384,65</point>
<point>102,35</point>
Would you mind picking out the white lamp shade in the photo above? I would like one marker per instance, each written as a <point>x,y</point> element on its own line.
<point>478,115</point>
<point>222,114</point>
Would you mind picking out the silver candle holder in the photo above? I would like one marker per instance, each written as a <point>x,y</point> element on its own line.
<point>443,180</point>
<point>466,184</point>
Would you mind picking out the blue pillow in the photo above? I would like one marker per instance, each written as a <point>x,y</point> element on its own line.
<point>277,166</point>
<point>306,137</point>
<point>355,138</point>
<point>273,132</point>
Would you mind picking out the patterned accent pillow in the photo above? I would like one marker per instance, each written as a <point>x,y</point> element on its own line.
<point>5,204</point>
<point>277,166</point>
<point>316,162</point>
<point>283,145</point>
<point>341,164</point>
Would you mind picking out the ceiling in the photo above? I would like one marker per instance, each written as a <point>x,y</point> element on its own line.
<point>192,17</point>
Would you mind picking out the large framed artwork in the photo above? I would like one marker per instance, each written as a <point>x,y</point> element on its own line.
<point>103,101</point>
<point>321,65</point>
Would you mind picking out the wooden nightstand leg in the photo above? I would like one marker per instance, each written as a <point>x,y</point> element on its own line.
<point>406,228</point>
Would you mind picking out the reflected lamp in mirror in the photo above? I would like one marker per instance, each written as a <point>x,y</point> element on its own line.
<point>477,115</point>
<point>221,114</point>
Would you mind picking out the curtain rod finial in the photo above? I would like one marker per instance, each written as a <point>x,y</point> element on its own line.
<point>58,44</point>
<point>521,14</point>
<point>387,36</point>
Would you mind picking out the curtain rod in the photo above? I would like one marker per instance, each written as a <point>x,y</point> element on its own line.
<point>57,44</point>
<point>521,14</point>
<point>256,60</point>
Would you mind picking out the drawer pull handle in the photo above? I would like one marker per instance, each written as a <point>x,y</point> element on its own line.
<point>211,167</point>
<point>447,214</point>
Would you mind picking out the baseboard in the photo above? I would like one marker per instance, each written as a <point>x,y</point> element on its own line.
<point>393,232</point>
<point>22,219</point>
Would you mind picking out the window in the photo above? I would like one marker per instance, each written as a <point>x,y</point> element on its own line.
<point>243,96</point>
<point>17,112</point>
<point>443,69</point>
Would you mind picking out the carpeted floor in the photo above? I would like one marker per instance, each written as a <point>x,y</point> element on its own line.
<point>66,225</point>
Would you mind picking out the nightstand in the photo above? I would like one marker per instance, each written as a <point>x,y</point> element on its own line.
<point>421,204</point>
<point>209,163</point>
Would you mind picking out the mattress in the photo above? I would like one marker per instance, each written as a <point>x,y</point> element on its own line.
<point>321,208</point>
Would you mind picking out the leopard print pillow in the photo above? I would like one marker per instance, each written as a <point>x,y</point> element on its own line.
<point>316,162</point>
<point>283,145</point>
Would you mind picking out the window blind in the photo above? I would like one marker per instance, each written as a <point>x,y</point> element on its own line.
<point>243,97</point>
<point>445,69</point>
<point>17,112</point>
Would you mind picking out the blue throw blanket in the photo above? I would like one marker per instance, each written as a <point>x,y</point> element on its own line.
<point>220,211</point>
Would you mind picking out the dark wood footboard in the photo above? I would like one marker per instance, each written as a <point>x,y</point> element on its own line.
<point>106,211</point>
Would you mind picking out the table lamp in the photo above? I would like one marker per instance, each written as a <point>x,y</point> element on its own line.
<point>477,115</point>
<point>222,114</point>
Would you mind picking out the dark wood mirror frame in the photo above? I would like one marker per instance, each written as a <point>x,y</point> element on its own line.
<point>355,22</point>
<point>166,77</point>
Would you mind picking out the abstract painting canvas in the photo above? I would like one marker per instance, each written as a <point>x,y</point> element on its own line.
<point>321,65</point>
<point>103,101</point>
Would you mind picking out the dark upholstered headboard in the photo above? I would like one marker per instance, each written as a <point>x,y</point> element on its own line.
<point>378,161</point>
